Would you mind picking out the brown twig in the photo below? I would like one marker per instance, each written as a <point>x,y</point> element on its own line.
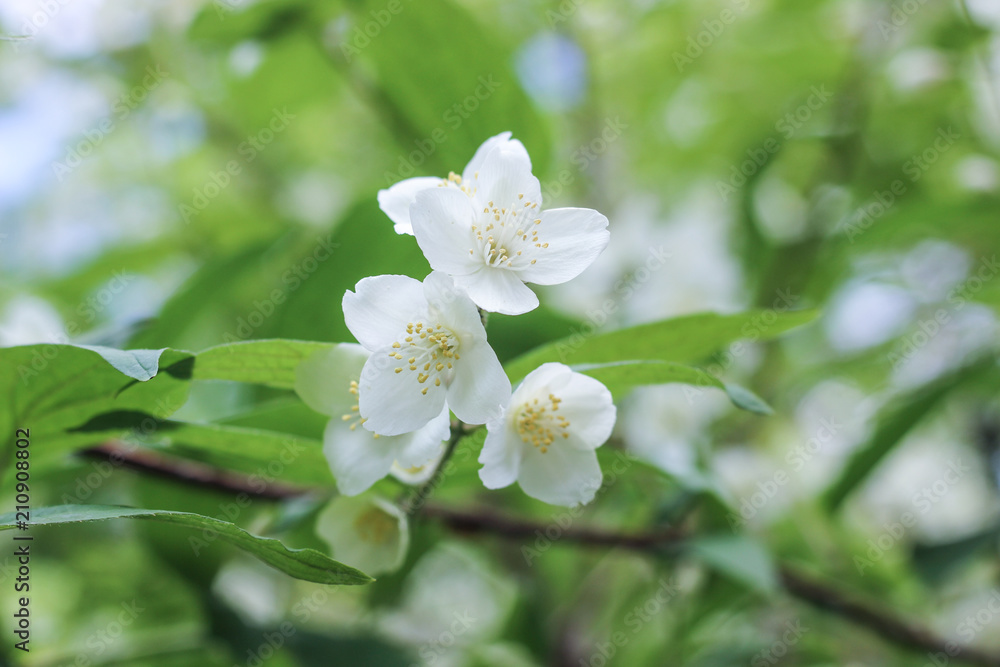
<point>879,621</point>
<point>193,472</point>
<point>823,596</point>
<point>827,597</point>
<point>486,521</point>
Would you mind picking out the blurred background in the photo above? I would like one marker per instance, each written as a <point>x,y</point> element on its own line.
<point>189,173</point>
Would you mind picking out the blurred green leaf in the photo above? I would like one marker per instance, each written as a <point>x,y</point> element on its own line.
<point>936,562</point>
<point>229,23</point>
<point>364,245</point>
<point>56,388</point>
<point>306,564</point>
<point>740,558</point>
<point>267,362</point>
<point>746,399</point>
<point>683,339</point>
<point>894,422</point>
<point>622,377</point>
<point>475,95</point>
<point>267,456</point>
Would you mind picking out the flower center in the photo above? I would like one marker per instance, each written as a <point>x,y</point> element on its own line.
<point>353,417</point>
<point>504,232</point>
<point>374,526</point>
<point>428,352</point>
<point>538,424</point>
<point>454,180</point>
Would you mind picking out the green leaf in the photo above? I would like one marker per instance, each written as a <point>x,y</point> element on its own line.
<point>740,558</point>
<point>364,245</point>
<point>265,456</point>
<point>621,377</point>
<point>440,128</point>
<point>936,562</point>
<point>230,23</point>
<point>268,362</point>
<point>894,422</point>
<point>307,564</point>
<point>686,339</point>
<point>746,399</point>
<point>53,389</point>
<point>141,365</point>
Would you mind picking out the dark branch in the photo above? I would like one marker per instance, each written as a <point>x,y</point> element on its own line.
<point>191,472</point>
<point>497,524</point>
<point>821,595</point>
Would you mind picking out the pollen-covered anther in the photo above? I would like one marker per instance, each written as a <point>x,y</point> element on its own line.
<point>537,426</point>
<point>432,348</point>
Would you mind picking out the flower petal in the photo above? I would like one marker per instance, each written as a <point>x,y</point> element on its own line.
<point>502,139</point>
<point>322,380</point>
<point>442,223</point>
<point>500,456</point>
<point>576,236</point>
<point>561,476</point>
<point>587,405</point>
<point>539,381</point>
<point>367,533</point>
<point>395,201</point>
<point>396,403</point>
<point>357,459</point>
<point>451,303</point>
<point>380,307</point>
<point>424,444</point>
<point>505,174</point>
<point>480,388</point>
<point>498,291</point>
<point>418,473</point>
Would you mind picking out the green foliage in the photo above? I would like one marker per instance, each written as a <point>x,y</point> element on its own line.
<point>56,389</point>
<point>743,559</point>
<point>894,423</point>
<point>623,376</point>
<point>723,158</point>
<point>306,564</point>
<point>685,339</point>
<point>266,362</point>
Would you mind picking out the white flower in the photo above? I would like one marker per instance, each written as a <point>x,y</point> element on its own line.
<point>450,583</point>
<point>491,236</point>
<point>417,474</point>
<point>546,438</point>
<point>395,202</point>
<point>327,381</point>
<point>367,533</point>
<point>429,353</point>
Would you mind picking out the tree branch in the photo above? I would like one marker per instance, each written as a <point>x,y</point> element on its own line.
<point>879,621</point>
<point>191,472</point>
<point>511,528</point>
<point>823,596</point>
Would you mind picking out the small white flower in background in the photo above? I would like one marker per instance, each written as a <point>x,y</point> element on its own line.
<point>429,353</point>
<point>395,202</point>
<point>416,474</point>
<point>367,533</point>
<point>327,382</point>
<point>452,593</point>
<point>493,236</point>
<point>546,438</point>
